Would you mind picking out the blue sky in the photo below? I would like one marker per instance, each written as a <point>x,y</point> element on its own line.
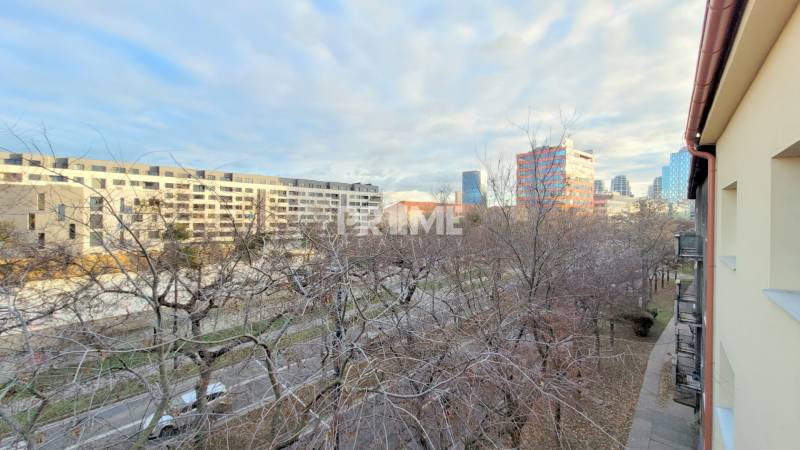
<point>402,94</point>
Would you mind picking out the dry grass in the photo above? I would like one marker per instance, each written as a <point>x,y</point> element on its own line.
<point>602,416</point>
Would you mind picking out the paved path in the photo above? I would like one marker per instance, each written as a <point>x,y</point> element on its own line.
<point>661,424</point>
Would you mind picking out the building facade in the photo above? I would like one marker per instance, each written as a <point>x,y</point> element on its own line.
<point>89,204</point>
<point>744,308</point>
<point>474,187</point>
<point>561,175</point>
<point>621,184</point>
<point>654,191</point>
<point>614,204</point>
<point>412,217</point>
<point>675,176</point>
<point>599,186</point>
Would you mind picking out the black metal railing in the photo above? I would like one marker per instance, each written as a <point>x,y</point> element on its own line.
<point>688,397</point>
<point>689,244</point>
<point>685,341</point>
<point>687,372</point>
<point>686,308</point>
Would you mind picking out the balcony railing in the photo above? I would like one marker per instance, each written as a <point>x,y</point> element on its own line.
<point>687,372</point>
<point>686,308</point>
<point>688,397</point>
<point>686,341</point>
<point>688,244</point>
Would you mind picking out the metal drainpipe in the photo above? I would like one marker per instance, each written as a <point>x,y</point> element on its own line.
<point>708,306</point>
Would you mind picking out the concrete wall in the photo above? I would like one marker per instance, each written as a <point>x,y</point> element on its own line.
<point>756,342</point>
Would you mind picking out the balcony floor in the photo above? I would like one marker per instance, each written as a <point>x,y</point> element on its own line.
<point>659,424</point>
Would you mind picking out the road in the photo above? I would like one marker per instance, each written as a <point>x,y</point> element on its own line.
<point>114,426</point>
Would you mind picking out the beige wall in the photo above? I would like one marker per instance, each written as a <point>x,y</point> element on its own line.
<point>18,202</point>
<point>757,343</point>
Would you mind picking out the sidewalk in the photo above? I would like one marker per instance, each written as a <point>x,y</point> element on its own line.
<point>660,423</point>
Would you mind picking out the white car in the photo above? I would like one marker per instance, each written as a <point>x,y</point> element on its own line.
<point>182,413</point>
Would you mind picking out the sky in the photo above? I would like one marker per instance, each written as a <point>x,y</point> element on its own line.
<point>405,95</point>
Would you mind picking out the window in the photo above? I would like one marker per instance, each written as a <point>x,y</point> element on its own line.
<point>134,171</point>
<point>169,174</point>
<point>34,177</point>
<point>41,240</point>
<point>58,178</point>
<point>61,212</point>
<point>96,221</point>
<point>95,239</point>
<point>725,401</point>
<point>31,221</point>
<point>119,182</point>
<point>79,180</point>
<point>154,234</point>
<point>98,168</point>
<point>785,214</point>
<point>14,159</point>
<point>95,204</point>
<point>118,170</point>
<point>77,167</point>
<point>72,231</point>
<point>134,183</point>
<point>98,183</point>
<point>40,202</point>
<point>727,237</point>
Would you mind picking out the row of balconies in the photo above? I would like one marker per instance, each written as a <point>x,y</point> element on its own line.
<point>689,328</point>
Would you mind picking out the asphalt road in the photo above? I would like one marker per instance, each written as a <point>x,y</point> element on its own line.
<point>114,426</point>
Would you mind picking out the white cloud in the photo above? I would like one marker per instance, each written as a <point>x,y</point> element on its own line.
<point>404,94</point>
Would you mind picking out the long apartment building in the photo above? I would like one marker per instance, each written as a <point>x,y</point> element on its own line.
<point>738,359</point>
<point>560,175</point>
<point>89,205</point>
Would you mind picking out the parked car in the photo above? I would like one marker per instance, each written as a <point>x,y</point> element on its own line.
<point>182,412</point>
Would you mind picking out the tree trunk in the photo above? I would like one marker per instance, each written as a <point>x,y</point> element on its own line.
<point>596,335</point>
<point>557,419</point>
<point>655,281</point>
<point>611,333</point>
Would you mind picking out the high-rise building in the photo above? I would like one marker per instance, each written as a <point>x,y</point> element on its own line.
<point>87,205</point>
<point>473,187</point>
<point>620,184</point>
<point>561,175</point>
<point>654,190</point>
<point>599,186</point>
<point>675,176</point>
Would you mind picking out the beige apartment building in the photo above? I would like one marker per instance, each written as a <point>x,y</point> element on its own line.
<point>742,369</point>
<point>87,205</point>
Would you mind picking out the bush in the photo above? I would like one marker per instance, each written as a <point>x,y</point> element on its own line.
<point>641,322</point>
